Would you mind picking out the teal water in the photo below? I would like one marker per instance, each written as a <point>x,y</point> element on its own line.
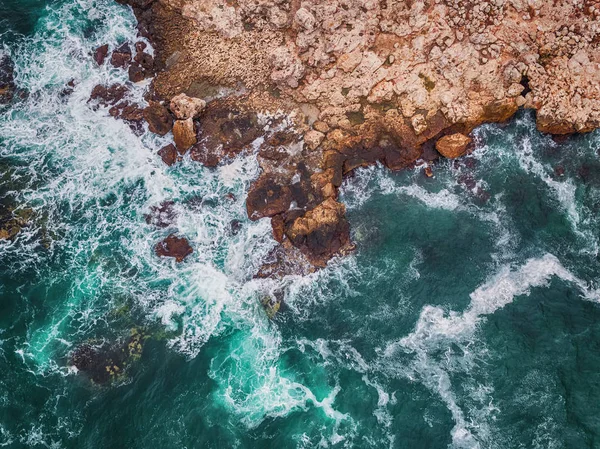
<point>467,318</point>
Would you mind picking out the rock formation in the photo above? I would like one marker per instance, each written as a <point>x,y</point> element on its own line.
<point>335,85</point>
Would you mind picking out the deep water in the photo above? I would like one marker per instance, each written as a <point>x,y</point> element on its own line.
<point>467,318</point>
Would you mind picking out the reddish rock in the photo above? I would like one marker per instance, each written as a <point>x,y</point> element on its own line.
<point>140,46</point>
<point>136,73</point>
<point>428,172</point>
<point>278,225</point>
<point>267,197</point>
<point>146,61</point>
<point>121,57</point>
<point>173,246</point>
<point>453,146</point>
<point>184,134</point>
<point>160,120</point>
<point>110,95</point>
<point>168,154</point>
<point>321,233</point>
<point>100,54</point>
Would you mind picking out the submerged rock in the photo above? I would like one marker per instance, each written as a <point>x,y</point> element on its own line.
<point>13,221</point>
<point>7,79</point>
<point>163,215</point>
<point>108,362</point>
<point>173,246</point>
<point>108,95</point>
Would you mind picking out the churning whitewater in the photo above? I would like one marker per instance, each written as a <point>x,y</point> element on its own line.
<point>467,317</point>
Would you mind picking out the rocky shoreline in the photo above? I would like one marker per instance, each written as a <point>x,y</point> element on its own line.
<point>326,87</point>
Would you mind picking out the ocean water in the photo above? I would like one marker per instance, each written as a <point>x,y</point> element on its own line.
<point>468,317</point>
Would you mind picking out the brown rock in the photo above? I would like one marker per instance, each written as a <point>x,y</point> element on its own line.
<point>100,54</point>
<point>321,233</point>
<point>160,121</point>
<point>168,154</point>
<point>110,95</point>
<point>184,134</point>
<point>145,60</point>
<point>313,139</point>
<point>173,246</point>
<point>184,107</point>
<point>278,225</point>
<point>453,146</point>
<point>267,197</point>
<point>121,57</point>
<point>136,73</point>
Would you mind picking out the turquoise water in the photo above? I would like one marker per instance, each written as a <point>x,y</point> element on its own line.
<point>467,318</point>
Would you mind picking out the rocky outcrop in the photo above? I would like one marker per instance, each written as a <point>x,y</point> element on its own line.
<point>332,86</point>
<point>453,146</point>
<point>184,107</point>
<point>160,120</point>
<point>7,79</point>
<point>173,246</point>
<point>184,134</point>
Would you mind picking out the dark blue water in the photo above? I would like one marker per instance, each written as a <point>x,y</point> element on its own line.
<point>467,317</point>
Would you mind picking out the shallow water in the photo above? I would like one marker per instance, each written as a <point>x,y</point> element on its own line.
<point>467,318</point>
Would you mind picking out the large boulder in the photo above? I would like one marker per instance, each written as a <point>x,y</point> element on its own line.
<point>268,197</point>
<point>7,79</point>
<point>184,107</point>
<point>184,134</point>
<point>173,246</point>
<point>321,233</point>
<point>121,57</point>
<point>169,154</point>
<point>100,54</point>
<point>453,146</point>
<point>160,120</point>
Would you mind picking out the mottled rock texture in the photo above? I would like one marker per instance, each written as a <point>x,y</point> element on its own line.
<point>354,82</point>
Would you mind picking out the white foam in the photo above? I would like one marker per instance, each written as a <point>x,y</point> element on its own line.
<point>437,329</point>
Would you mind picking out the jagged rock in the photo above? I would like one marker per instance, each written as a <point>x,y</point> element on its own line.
<point>169,154</point>
<point>136,73</point>
<point>453,146</point>
<point>160,120</point>
<point>121,57</point>
<point>108,95</point>
<point>313,139</point>
<point>321,233</point>
<point>184,134</point>
<point>267,197</point>
<point>162,216</point>
<point>7,79</point>
<point>145,60</point>
<point>184,107</point>
<point>173,246</point>
<point>100,54</point>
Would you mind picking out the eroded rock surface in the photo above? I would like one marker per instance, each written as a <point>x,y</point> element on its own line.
<point>364,81</point>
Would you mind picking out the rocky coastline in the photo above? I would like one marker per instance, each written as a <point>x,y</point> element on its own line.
<point>317,89</point>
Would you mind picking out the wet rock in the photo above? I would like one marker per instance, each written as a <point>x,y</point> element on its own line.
<point>136,73</point>
<point>184,107</point>
<point>428,172</point>
<point>107,362</point>
<point>173,246</point>
<point>559,171</point>
<point>267,197</point>
<point>7,79</point>
<point>108,95</point>
<point>453,145</point>
<point>13,221</point>
<point>140,46</point>
<point>272,303</point>
<point>145,60</point>
<point>184,134</point>
<point>278,226</point>
<point>163,215</point>
<point>68,89</point>
<point>121,57</point>
<point>235,227</point>
<point>169,154</point>
<point>132,114</point>
<point>100,54</point>
<point>160,120</point>
<point>321,233</point>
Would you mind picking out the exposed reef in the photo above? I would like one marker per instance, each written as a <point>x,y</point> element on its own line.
<point>332,86</point>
